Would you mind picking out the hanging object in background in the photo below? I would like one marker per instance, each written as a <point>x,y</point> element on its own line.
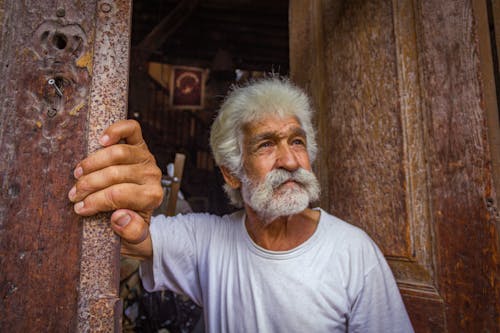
<point>187,87</point>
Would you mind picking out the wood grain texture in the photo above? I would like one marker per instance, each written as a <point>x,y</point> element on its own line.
<point>409,146</point>
<point>41,135</point>
<point>367,178</point>
<point>459,165</point>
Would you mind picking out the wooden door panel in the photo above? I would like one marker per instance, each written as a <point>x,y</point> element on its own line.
<point>377,153</point>
<point>403,145</point>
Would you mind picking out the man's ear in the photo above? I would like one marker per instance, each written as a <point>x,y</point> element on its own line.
<point>229,178</point>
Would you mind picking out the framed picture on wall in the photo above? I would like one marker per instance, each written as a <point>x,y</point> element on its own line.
<point>187,87</point>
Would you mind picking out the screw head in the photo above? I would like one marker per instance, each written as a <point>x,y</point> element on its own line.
<point>60,12</point>
<point>105,7</point>
<point>51,112</point>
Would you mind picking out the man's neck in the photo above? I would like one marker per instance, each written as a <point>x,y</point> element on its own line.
<point>283,233</point>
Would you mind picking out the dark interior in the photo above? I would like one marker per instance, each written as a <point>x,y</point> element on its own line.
<point>232,41</point>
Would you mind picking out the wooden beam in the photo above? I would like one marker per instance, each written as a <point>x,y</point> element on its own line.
<point>176,183</point>
<point>167,26</point>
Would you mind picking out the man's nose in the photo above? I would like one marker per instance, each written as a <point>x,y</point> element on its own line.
<point>286,158</point>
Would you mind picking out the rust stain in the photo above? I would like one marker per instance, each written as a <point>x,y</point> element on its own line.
<point>76,109</point>
<point>99,304</point>
<point>30,53</point>
<point>85,61</point>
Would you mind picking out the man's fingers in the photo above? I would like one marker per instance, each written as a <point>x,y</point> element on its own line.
<point>129,225</point>
<point>128,130</point>
<point>101,179</point>
<point>136,197</point>
<point>114,155</point>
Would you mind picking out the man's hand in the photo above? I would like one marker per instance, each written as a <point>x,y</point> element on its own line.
<point>121,177</point>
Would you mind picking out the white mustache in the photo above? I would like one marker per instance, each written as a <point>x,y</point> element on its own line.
<point>278,177</point>
<point>261,196</point>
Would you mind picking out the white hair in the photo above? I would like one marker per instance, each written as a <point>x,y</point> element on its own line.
<point>244,104</point>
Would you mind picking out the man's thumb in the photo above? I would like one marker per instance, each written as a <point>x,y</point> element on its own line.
<point>129,225</point>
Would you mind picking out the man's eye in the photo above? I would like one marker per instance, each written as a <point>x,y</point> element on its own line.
<point>300,142</point>
<point>265,144</point>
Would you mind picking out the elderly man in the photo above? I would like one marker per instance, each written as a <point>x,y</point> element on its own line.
<point>277,265</point>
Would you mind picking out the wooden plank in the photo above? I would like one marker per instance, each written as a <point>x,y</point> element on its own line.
<point>407,111</point>
<point>167,26</point>
<point>63,64</point>
<point>176,183</point>
<point>462,195</point>
<point>42,135</point>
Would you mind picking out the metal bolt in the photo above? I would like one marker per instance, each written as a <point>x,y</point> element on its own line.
<point>51,112</point>
<point>105,7</point>
<point>52,82</point>
<point>60,12</point>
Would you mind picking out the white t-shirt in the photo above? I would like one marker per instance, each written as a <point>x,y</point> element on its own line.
<point>336,281</point>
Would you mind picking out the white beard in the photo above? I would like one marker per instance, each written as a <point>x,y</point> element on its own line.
<point>270,201</point>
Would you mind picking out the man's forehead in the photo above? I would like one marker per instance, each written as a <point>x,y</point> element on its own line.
<point>272,124</point>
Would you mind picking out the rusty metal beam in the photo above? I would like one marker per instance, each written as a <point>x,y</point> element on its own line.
<point>64,78</point>
<point>99,306</point>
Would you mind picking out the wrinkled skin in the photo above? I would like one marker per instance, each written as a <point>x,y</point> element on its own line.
<point>122,177</point>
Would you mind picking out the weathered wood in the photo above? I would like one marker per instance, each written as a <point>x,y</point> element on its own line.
<point>167,26</point>
<point>42,135</point>
<point>458,160</point>
<point>176,184</point>
<point>63,64</point>
<point>405,99</point>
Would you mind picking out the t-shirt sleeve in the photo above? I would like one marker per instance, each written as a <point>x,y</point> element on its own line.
<point>378,306</point>
<point>174,263</point>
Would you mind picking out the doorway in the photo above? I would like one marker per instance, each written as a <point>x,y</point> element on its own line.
<point>185,55</point>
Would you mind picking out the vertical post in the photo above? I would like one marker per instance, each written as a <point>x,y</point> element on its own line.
<point>99,306</point>
<point>57,59</point>
<point>176,183</point>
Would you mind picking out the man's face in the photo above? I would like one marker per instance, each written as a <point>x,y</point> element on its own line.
<point>277,177</point>
<point>274,143</point>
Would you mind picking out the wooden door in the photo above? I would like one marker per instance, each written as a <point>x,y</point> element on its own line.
<point>64,78</point>
<point>407,126</point>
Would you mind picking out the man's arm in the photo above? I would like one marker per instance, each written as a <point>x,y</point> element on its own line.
<point>121,177</point>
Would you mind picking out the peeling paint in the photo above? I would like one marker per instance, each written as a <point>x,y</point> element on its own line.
<point>86,61</point>
<point>76,109</point>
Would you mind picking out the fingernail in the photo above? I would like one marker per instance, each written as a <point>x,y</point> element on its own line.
<point>123,220</point>
<point>72,193</point>
<point>78,206</point>
<point>104,139</point>
<point>78,172</point>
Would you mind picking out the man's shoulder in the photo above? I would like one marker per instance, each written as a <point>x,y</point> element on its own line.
<point>350,245</point>
<point>346,234</point>
<point>336,224</point>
